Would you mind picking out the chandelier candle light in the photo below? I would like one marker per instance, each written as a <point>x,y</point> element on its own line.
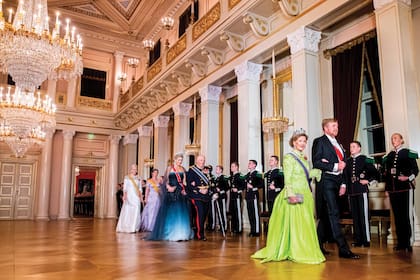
<point>29,53</point>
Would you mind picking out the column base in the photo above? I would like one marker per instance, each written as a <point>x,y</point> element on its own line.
<point>42,218</point>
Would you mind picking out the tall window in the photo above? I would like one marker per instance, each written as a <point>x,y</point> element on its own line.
<point>93,83</point>
<point>154,53</point>
<point>185,19</point>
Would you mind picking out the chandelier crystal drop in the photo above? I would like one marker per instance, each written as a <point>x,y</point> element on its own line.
<point>30,54</point>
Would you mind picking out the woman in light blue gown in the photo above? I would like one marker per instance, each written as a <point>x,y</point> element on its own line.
<point>152,201</point>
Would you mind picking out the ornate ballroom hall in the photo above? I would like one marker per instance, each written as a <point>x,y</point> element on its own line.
<point>89,88</point>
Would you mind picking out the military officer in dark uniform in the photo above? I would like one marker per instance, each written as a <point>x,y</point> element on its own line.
<point>237,186</point>
<point>401,169</point>
<point>275,181</point>
<point>254,182</point>
<point>359,173</point>
<point>222,186</point>
<point>198,192</point>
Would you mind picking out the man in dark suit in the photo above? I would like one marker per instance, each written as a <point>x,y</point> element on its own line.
<point>254,182</point>
<point>328,155</point>
<point>198,192</point>
<point>275,181</point>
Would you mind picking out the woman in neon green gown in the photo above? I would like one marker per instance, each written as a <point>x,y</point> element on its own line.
<point>292,232</point>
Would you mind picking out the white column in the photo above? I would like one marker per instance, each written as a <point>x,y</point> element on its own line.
<point>52,89</point>
<point>118,58</point>
<point>161,143</point>
<point>400,95</point>
<point>130,151</point>
<point>226,138</point>
<point>71,93</point>
<point>144,152</point>
<point>306,80</point>
<point>65,187</point>
<point>112,176</point>
<point>181,126</point>
<point>249,113</point>
<point>210,96</point>
<point>43,202</point>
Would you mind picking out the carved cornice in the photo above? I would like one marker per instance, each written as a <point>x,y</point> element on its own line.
<point>207,21</point>
<point>248,71</point>
<point>214,55</point>
<point>210,93</point>
<point>95,103</point>
<point>198,68</point>
<point>290,8</point>
<point>170,88</point>
<point>259,24</point>
<point>378,4</point>
<point>145,131</point>
<point>233,3</point>
<point>182,109</point>
<point>161,121</point>
<point>177,49</point>
<point>154,69</point>
<point>182,78</point>
<point>235,42</point>
<point>304,39</point>
<point>85,12</point>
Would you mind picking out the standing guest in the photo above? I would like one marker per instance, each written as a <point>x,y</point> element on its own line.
<point>328,155</point>
<point>359,173</point>
<point>129,220</point>
<point>152,201</point>
<point>173,220</point>
<point>198,192</point>
<point>212,214</point>
<point>275,181</point>
<point>237,185</point>
<point>400,173</point>
<point>119,195</point>
<point>222,187</point>
<point>292,231</point>
<point>254,182</point>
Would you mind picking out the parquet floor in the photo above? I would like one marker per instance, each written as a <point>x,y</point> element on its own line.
<point>90,249</point>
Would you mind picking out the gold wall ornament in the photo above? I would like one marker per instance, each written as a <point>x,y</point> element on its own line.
<point>124,99</point>
<point>155,69</point>
<point>233,3</point>
<point>176,49</point>
<point>207,21</point>
<point>95,103</point>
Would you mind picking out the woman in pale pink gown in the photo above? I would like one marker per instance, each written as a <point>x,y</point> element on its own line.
<point>152,200</point>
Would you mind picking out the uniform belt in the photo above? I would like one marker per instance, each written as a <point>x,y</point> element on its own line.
<point>333,173</point>
<point>277,189</point>
<point>203,187</point>
<point>222,192</point>
<point>253,189</point>
<point>239,191</point>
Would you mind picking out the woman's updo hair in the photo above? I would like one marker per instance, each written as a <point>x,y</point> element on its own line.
<point>178,155</point>
<point>296,134</point>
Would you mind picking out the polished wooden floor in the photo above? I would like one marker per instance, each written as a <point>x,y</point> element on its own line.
<point>90,249</point>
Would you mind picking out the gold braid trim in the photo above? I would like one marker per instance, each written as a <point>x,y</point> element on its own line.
<point>348,45</point>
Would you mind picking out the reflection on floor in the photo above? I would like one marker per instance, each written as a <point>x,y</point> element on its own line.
<point>90,249</point>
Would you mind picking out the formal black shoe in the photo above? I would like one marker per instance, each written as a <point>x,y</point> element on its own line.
<point>203,239</point>
<point>403,248</point>
<point>398,248</point>
<point>366,244</point>
<point>348,255</point>
<point>356,244</point>
<point>325,252</point>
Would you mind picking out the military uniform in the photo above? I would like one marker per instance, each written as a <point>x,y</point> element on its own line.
<point>197,180</point>
<point>275,177</point>
<point>222,187</point>
<point>256,180</point>
<point>402,162</point>
<point>359,168</point>
<point>236,183</point>
<point>212,214</point>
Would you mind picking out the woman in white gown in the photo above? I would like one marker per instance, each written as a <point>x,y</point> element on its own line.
<point>129,220</point>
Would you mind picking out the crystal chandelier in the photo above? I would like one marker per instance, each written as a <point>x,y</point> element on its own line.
<point>30,54</point>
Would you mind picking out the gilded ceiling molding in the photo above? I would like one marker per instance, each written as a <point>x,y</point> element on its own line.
<point>96,103</point>
<point>378,4</point>
<point>198,68</point>
<point>290,8</point>
<point>86,12</point>
<point>235,42</point>
<point>233,3</point>
<point>182,78</point>
<point>113,40</point>
<point>155,69</point>
<point>127,13</point>
<point>259,24</point>
<point>207,21</point>
<point>304,39</point>
<point>214,55</point>
<point>176,49</point>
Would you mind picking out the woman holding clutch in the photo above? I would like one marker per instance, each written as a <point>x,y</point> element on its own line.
<point>292,231</point>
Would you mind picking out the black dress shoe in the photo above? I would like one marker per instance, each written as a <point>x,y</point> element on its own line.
<point>356,244</point>
<point>203,239</point>
<point>366,244</point>
<point>324,251</point>
<point>348,255</point>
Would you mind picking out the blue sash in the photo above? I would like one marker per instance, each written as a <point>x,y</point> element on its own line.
<point>200,174</point>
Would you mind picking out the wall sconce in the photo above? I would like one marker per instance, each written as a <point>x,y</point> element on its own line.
<point>148,44</point>
<point>133,63</point>
<point>168,24</point>
<point>122,77</point>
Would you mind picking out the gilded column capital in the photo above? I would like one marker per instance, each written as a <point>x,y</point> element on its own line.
<point>248,71</point>
<point>182,109</point>
<point>304,38</point>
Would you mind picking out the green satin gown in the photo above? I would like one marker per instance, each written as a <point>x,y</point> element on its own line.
<point>292,231</point>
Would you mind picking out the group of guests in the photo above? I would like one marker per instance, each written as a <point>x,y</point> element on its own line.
<point>177,207</point>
